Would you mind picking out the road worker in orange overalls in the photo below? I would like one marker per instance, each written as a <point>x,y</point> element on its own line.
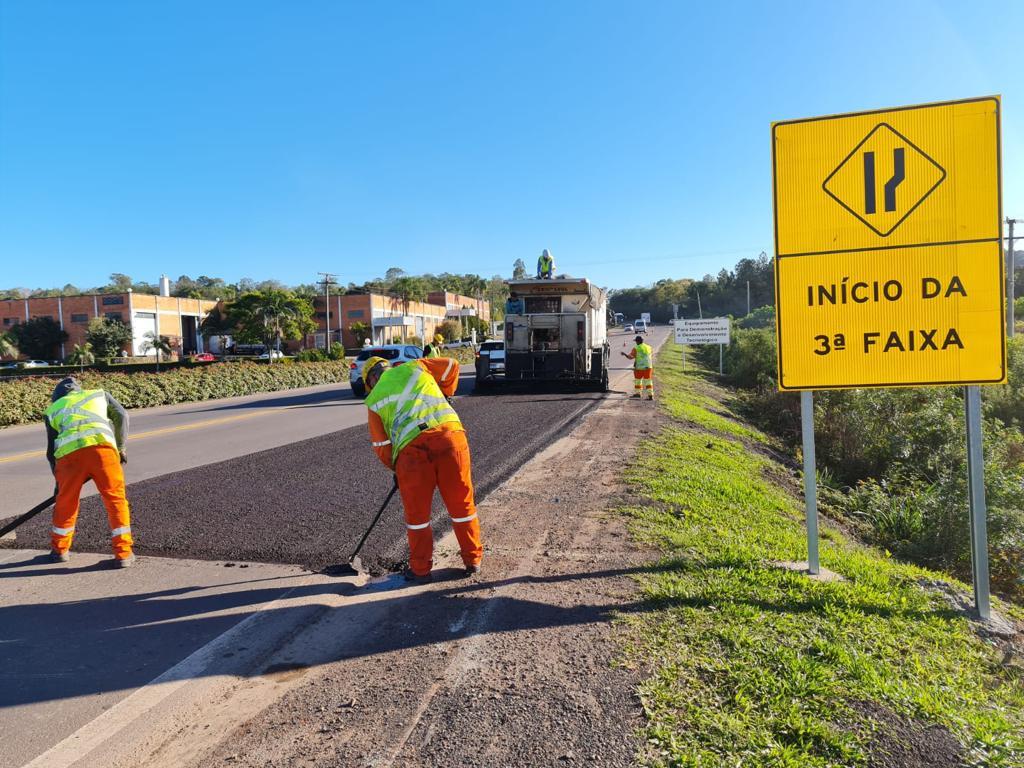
<point>416,433</point>
<point>643,368</point>
<point>85,440</point>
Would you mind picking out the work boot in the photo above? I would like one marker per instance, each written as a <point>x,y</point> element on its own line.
<point>415,578</point>
<point>635,397</point>
<point>124,562</point>
<point>59,557</point>
<point>472,570</point>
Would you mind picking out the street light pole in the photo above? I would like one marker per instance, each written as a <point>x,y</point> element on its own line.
<point>328,278</point>
<point>1010,279</point>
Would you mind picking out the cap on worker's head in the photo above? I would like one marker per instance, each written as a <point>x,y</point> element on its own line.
<point>639,339</point>
<point>64,386</point>
<point>372,363</point>
<point>438,338</point>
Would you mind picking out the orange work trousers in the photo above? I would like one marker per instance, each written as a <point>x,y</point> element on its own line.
<point>438,458</point>
<point>643,378</point>
<point>102,465</point>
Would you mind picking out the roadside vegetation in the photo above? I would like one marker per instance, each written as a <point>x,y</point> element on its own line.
<point>748,663</point>
<point>23,400</point>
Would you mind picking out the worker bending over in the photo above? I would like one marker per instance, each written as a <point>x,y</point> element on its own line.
<point>85,437</point>
<point>416,433</point>
<point>434,348</point>
<point>643,367</point>
<point>546,265</point>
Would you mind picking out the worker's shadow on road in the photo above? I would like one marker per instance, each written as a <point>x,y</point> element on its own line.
<point>61,650</point>
<point>66,649</point>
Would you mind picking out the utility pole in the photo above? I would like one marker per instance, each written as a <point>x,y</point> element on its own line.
<point>327,281</point>
<point>1010,279</point>
<point>748,297</point>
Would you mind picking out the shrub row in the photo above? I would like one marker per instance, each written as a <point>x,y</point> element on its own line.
<point>23,400</point>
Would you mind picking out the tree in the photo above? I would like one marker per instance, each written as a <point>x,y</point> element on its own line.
<point>218,323</point>
<point>450,329</point>
<point>8,346</point>
<point>82,355</point>
<point>519,270</point>
<point>269,316</point>
<point>38,337</point>
<point>361,331</point>
<point>107,336</point>
<point>157,343</point>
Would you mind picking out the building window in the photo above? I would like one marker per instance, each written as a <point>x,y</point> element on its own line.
<point>76,318</point>
<point>322,315</point>
<point>108,300</point>
<point>145,315</point>
<point>42,317</point>
<point>355,313</point>
<point>112,315</point>
<point>10,321</point>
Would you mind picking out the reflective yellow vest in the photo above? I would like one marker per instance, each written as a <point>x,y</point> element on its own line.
<point>80,419</point>
<point>644,356</point>
<point>433,350</point>
<point>409,401</point>
<point>545,263</point>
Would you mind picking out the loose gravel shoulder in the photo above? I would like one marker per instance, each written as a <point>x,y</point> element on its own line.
<point>512,668</point>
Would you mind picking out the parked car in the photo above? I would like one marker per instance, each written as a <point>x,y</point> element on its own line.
<point>271,355</point>
<point>396,354</point>
<point>9,366</point>
<point>204,357</point>
<point>495,350</point>
<point>628,328</point>
<point>33,364</point>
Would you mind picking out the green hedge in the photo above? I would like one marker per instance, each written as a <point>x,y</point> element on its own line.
<point>23,400</point>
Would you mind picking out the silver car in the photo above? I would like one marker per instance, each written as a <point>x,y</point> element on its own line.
<point>396,354</point>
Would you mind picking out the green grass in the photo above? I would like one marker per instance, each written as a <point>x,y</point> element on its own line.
<point>752,665</point>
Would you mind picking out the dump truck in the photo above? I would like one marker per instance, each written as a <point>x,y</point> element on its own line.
<point>556,331</point>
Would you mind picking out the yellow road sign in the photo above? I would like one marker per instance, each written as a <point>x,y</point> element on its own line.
<point>889,262</point>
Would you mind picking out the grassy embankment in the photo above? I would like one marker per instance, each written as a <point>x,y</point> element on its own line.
<point>748,664</point>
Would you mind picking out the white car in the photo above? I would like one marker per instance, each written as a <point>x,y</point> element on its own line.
<point>396,354</point>
<point>34,364</point>
<point>495,350</point>
<point>272,355</point>
<point>640,326</point>
<point>628,328</point>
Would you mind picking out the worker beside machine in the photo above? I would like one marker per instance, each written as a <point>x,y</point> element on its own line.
<point>416,433</point>
<point>545,265</point>
<point>85,440</point>
<point>434,348</point>
<point>643,368</point>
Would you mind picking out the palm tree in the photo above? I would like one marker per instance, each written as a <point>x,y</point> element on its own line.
<point>8,347</point>
<point>275,308</point>
<point>160,344</point>
<point>82,355</point>
<point>220,324</point>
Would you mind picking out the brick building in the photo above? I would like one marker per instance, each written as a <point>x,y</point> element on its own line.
<point>388,317</point>
<point>178,319</point>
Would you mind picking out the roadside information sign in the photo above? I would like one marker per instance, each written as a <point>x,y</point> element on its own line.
<point>714,330</point>
<point>889,261</point>
<point>646,317</point>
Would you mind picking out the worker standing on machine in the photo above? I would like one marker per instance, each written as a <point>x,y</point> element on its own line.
<point>545,265</point>
<point>434,348</point>
<point>643,367</point>
<point>85,440</point>
<point>417,434</point>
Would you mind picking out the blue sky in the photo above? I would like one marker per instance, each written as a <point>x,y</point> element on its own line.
<point>275,139</point>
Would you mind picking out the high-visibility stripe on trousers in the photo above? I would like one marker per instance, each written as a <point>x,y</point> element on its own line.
<point>439,459</point>
<point>643,379</point>
<point>102,465</point>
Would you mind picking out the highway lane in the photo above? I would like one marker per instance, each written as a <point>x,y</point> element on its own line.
<point>173,619</point>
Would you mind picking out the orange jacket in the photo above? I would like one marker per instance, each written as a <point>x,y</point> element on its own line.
<point>445,371</point>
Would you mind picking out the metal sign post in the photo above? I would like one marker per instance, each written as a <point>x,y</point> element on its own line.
<point>810,480</point>
<point>889,267</point>
<point>976,492</point>
<point>720,348</point>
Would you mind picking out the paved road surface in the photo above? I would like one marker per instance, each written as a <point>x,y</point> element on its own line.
<point>71,648</point>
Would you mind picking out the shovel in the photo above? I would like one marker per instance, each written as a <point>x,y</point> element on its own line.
<point>29,515</point>
<point>355,563</point>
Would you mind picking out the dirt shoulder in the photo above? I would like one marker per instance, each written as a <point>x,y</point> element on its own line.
<point>512,668</point>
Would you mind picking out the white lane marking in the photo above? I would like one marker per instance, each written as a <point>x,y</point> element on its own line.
<point>135,706</point>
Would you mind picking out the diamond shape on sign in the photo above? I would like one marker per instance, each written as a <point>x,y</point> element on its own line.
<point>884,179</point>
